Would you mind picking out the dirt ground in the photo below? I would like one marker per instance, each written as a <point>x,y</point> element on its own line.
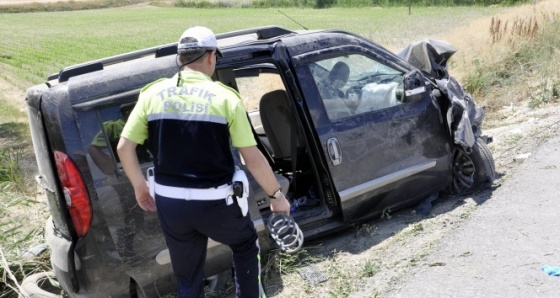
<point>399,249</point>
<point>501,249</point>
<point>380,257</point>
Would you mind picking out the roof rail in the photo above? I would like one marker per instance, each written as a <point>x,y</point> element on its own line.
<point>262,32</point>
<point>95,65</point>
<point>159,51</point>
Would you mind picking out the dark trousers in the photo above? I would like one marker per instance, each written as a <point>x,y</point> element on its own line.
<point>187,226</point>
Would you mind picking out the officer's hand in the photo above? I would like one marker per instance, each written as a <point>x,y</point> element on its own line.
<point>144,199</point>
<point>280,204</point>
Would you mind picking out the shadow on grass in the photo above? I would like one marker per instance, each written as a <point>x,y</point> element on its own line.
<point>14,131</point>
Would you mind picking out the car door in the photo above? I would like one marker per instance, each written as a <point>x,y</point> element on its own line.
<point>382,136</point>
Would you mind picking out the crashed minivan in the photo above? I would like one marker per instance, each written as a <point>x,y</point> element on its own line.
<point>350,129</point>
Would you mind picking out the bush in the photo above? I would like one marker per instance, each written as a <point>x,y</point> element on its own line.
<point>530,65</point>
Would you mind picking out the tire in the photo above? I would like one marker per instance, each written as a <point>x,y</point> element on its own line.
<point>474,171</point>
<point>39,285</point>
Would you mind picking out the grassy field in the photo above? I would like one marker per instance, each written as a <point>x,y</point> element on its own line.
<point>35,45</point>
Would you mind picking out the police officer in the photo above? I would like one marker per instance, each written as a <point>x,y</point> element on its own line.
<point>190,121</point>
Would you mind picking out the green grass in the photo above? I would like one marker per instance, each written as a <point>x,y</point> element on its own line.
<point>9,113</point>
<point>12,176</point>
<point>21,214</point>
<point>370,268</point>
<point>36,45</point>
<point>14,141</point>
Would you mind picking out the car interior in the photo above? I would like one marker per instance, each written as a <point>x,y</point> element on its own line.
<point>370,86</point>
<point>282,141</point>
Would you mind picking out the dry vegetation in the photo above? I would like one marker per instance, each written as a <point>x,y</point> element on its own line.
<point>521,28</point>
<point>496,58</point>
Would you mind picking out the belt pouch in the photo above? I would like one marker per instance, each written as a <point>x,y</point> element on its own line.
<point>240,176</point>
<point>151,181</point>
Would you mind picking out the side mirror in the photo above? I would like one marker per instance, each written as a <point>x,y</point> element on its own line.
<point>414,85</point>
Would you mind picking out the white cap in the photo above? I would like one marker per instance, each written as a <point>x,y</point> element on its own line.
<point>204,39</point>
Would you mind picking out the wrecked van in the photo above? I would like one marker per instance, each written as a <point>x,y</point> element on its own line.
<point>350,129</point>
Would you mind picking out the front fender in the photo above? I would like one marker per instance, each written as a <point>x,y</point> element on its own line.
<point>464,116</point>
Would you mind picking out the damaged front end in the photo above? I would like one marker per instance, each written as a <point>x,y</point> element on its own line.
<point>464,116</point>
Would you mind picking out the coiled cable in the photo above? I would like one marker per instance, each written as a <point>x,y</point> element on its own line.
<point>285,232</point>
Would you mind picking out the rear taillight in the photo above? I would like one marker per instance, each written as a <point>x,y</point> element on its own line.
<point>75,193</point>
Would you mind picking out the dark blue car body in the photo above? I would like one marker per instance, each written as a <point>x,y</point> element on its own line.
<point>337,167</point>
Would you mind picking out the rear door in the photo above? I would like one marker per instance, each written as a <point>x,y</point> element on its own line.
<point>385,145</point>
<point>47,176</point>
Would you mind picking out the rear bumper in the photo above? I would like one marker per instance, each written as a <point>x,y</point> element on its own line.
<point>82,270</point>
<point>61,254</point>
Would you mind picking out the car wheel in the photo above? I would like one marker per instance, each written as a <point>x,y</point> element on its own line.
<point>40,285</point>
<point>473,171</point>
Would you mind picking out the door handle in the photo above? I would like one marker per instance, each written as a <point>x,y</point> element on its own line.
<point>333,148</point>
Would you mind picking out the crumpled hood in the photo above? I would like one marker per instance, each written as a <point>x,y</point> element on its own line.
<point>430,56</point>
<point>464,116</point>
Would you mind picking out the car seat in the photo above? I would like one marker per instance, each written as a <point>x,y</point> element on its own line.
<point>278,124</point>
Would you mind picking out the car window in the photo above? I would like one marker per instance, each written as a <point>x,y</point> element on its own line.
<point>103,145</point>
<point>269,109</point>
<point>252,88</point>
<point>356,84</point>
